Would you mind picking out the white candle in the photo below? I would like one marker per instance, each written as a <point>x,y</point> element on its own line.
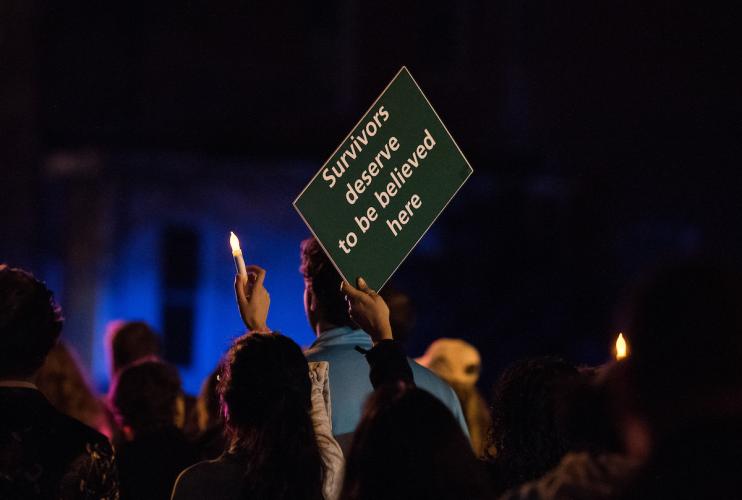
<point>239,261</point>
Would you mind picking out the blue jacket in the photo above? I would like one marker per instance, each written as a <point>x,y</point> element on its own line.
<point>350,385</point>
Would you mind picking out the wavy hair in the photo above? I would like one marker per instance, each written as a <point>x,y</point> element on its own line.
<point>266,400</point>
<point>527,427</point>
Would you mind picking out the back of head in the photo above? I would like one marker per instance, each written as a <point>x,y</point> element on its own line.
<point>526,429</point>
<point>402,312</point>
<point>266,400</point>
<point>324,281</point>
<point>686,331</point>
<point>146,395</point>
<point>408,445</point>
<point>30,323</point>
<point>454,360</point>
<point>129,341</point>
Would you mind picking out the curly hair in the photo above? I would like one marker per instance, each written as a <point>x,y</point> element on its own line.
<point>324,281</point>
<point>266,400</point>
<point>30,322</point>
<point>526,429</point>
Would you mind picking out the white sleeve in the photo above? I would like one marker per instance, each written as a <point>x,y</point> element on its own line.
<point>333,461</point>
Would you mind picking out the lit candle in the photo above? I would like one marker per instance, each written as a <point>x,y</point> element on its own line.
<point>239,261</point>
<point>622,349</point>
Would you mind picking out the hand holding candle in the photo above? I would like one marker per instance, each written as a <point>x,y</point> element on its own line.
<point>253,299</point>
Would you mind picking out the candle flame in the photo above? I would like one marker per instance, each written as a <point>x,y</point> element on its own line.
<point>621,347</point>
<point>234,241</point>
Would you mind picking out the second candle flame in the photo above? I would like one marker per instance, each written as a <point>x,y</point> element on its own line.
<point>621,347</point>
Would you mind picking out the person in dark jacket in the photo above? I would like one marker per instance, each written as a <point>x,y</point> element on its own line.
<point>43,453</point>
<point>148,402</point>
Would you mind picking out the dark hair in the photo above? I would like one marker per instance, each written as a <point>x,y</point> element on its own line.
<point>145,394</point>
<point>30,322</point>
<point>131,341</point>
<point>266,399</point>
<point>324,280</point>
<point>526,429</point>
<point>407,446</point>
<point>589,416</point>
<point>402,313</point>
<point>685,329</point>
<point>208,405</point>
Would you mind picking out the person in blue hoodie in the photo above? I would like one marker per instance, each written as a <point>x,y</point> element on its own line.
<point>341,343</point>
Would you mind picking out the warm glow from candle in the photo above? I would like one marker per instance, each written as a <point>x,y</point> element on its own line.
<point>235,243</point>
<point>239,260</point>
<point>621,347</point>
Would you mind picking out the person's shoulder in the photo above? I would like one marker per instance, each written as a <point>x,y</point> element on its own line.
<point>426,379</point>
<point>73,431</point>
<point>425,376</point>
<point>206,480</point>
<point>313,352</point>
<point>329,352</point>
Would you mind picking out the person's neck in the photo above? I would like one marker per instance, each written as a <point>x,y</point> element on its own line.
<point>323,326</point>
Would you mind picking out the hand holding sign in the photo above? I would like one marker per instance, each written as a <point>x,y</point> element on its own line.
<point>368,309</point>
<point>253,299</point>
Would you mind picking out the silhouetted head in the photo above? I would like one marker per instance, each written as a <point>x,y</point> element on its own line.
<point>409,446</point>
<point>686,332</point>
<point>402,313</point>
<point>130,341</point>
<point>266,400</point>
<point>454,360</point>
<point>323,300</point>
<point>30,323</point>
<point>590,417</point>
<point>526,425</point>
<point>147,397</point>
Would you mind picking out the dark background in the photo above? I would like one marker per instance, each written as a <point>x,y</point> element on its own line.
<point>603,136</point>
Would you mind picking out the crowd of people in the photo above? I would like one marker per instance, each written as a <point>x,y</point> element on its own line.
<point>353,418</point>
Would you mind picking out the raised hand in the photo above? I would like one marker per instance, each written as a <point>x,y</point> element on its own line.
<point>368,309</point>
<point>253,299</point>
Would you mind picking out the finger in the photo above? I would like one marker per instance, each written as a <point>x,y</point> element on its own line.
<point>259,273</point>
<point>363,286</point>
<point>351,292</point>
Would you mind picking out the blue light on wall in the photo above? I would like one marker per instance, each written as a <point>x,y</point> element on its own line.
<point>270,232</point>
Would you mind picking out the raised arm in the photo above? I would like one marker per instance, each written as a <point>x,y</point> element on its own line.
<point>387,359</point>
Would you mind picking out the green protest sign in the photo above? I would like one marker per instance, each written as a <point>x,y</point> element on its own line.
<point>385,185</point>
